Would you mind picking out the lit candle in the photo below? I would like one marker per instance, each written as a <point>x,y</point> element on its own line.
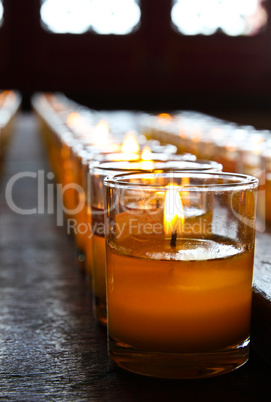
<point>173,213</point>
<point>92,145</point>
<point>9,105</point>
<point>97,174</point>
<point>130,143</point>
<point>178,302</point>
<point>113,151</point>
<point>96,144</point>
<point>265,198</point>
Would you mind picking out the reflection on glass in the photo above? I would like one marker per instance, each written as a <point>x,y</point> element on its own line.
<point>118,17</point>
<point>232,17</point>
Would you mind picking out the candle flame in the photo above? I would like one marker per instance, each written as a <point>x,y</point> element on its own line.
<point>100,134</point>
<point>146,157</point>
<point>146,154</point>
<point>173,211</point>
<point>257,150</point>
<point>164,118</point>
<point>74,120</point>
<point>185,182</point>
<point>130,143</point>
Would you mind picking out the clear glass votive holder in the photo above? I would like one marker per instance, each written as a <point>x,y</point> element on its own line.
<point>265,198</point>
<point>97,174</point>
<point>179,266</point>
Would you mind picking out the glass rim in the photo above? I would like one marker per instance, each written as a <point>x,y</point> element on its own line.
<point>201,165</point>
<point>235,181</point>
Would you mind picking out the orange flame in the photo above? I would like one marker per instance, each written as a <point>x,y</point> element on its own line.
<point>164,118</point>
<point>74,120</point>
<point>173,211</point>
<point>146,157</point>
<point>130,143</point>
<point>100,133</point>
<point>146,154</point>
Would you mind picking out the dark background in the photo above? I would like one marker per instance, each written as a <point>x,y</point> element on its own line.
<point>152,69</point>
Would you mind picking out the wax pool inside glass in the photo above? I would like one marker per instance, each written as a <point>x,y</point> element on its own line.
<point>195,297</point>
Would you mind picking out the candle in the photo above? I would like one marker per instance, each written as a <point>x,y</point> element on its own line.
<point>9,105</point>
<point>83,137</point>
<point>100,146</point>
<point>179,301</point>
<point>250,153</point>
<point>97,174</point>
<point>90,144</point>
<point>86,159</point>
<point>254,161</point>
<point>265,196</point>
<point>227,153</point>
<point>130,143</point>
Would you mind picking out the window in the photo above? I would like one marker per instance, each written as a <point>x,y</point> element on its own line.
<point>118,17</point>
<point>232,17</point>
<point>1,13</point>
<point>66,16</point>
<point>130,56</point>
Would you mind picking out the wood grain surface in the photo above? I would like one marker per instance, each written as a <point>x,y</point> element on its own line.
<point>51,349</point>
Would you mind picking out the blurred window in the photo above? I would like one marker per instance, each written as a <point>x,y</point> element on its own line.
<point>105,17</point>
<point>206,17</point>
<point>1,13</point>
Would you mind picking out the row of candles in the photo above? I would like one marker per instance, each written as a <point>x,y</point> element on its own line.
<point>240,149</point>
<point>10,102</point>
<point>165,238</point>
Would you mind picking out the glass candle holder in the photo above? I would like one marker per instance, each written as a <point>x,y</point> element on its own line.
<point>97,174</point>
<point>82,161</point>
<point>179,271</point>
<point>251,151</point>
<point>83,158</point>
<point>253,162</point>
<point>265,199</point>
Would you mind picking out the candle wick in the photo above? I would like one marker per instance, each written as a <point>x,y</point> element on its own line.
<point>173,238</point>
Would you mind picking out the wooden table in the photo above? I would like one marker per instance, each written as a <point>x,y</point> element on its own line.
<point>50,346</point>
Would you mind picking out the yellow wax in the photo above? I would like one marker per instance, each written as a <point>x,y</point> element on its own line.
<point>128,224</point>
<point>68,201</point>
<point>229,165</point>
<point>88,241</point>
<point>177,305</point>
<point>68,194</point>
<point>98,267</point>
<point>83,229</point>
<point>88,252</point>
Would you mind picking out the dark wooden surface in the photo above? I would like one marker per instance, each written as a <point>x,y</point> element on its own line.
<point>50,346</point>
